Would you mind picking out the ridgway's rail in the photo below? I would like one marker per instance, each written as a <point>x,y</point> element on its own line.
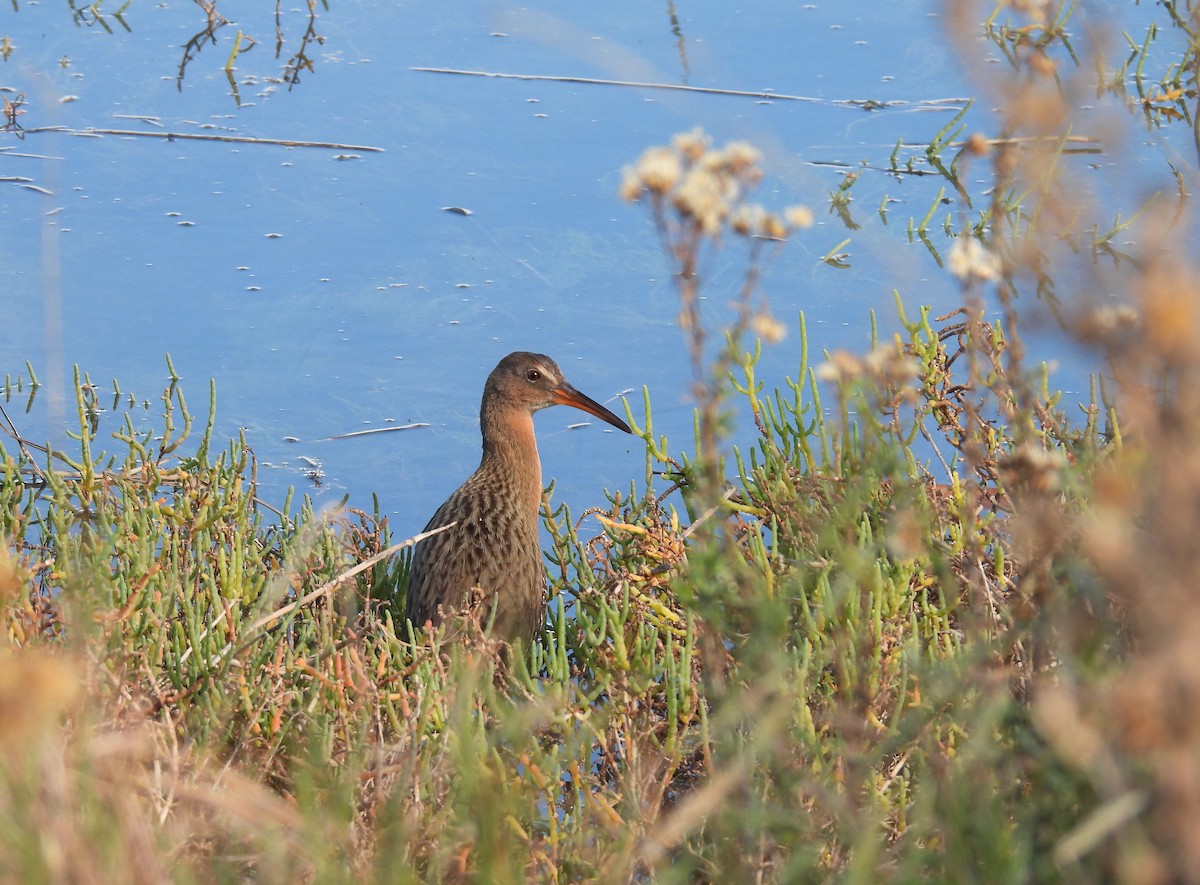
<point>489,565</point>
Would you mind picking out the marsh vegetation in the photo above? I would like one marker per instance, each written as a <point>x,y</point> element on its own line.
<point>922,618</point>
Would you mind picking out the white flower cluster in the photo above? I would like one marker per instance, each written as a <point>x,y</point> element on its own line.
<point>969,260</point>
<point>887,363</point>
<point>708,187</point>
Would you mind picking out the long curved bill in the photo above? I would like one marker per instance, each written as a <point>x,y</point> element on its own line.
<point>566,395</point>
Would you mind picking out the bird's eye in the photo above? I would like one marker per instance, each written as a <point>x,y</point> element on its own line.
<point>533,375</point>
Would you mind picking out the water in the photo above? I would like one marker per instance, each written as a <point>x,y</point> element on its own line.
<point>328,291</point>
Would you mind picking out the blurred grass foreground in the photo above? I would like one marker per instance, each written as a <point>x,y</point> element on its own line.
<point>924,621</point>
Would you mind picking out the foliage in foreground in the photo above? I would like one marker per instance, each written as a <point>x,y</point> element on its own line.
<point>848,667</point>
<point>925,625</point>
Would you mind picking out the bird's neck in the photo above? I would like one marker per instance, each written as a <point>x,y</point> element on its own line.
<point>510,449</point>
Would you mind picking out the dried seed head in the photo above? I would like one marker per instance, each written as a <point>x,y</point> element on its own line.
<point>701,197</point>
<point>969,260</point>
<point>773,227</point>
<point>659,169</point>
<point>892,364</point>
<point>743,221</point>
<point>799,216</point>
<point>741,158</point>
<point>1110,319</point>
<point>768,328</point>
<point>842,366</point>
<point>886,364</point>
<point>631,187</point>
<point>691,145</point>
<point>978,145</point>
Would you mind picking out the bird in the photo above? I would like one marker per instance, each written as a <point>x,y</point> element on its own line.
<point>488,566</point>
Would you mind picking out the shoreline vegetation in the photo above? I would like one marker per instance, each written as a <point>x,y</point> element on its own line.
<point>925,620</point>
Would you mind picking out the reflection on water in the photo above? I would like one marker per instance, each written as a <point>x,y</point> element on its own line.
<point>300,60</point>
<point>326,289</point>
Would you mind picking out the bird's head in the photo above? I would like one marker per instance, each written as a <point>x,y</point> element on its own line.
<point>532,381</point>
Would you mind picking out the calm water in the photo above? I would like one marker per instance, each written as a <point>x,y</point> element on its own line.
<point>327,291</point>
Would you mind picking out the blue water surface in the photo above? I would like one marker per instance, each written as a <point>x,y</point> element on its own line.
<point>327,290</point>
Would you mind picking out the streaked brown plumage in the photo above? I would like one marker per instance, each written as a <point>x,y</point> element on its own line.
<point>495,546</point>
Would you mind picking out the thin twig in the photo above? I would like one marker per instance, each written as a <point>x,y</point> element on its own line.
<point>368,432</point>
<point>865,103</point>
<point>708,514</point>
<point>23,444</point>
<point>237,139</point>
<point>324,589</point>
